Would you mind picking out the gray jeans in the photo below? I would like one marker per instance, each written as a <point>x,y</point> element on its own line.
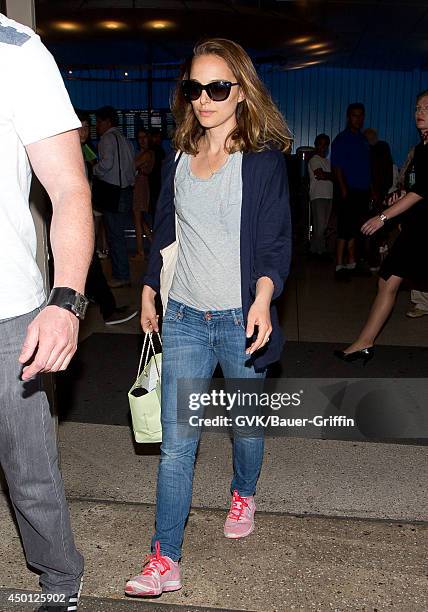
<point>321,211</point>
<point>29,459</point>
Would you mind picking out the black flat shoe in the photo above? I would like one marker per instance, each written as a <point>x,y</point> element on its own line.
<point>365,354</point>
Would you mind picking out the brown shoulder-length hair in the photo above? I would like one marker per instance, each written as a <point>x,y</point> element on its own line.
<point>260,125</point>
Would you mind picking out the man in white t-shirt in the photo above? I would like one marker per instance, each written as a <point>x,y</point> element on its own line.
<point>38,126</point>
<point>320,193</point>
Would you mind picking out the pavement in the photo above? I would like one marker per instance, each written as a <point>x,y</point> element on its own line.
<point>289,563</point>
<point>340,526</point>
<point>299,476</point>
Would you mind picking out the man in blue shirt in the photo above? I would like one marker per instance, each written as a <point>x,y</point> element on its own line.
<point>350,160</point>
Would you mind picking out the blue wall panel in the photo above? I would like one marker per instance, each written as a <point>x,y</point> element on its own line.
<point>313,100</point>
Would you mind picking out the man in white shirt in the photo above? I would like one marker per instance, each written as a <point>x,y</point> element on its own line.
<point>116,166</point>
<point>38,126</point>
<point>320,193</point>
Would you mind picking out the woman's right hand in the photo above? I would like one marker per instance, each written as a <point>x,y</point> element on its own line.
<point>149,318</point>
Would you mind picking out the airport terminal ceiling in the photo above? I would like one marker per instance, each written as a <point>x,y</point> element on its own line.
<point>389,34</point>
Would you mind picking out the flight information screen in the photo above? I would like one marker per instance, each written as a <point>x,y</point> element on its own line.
<point>132,120</point>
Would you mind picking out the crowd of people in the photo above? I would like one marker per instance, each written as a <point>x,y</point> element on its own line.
<point>406,259</point>
<point>358,178</point>
<point>363,182</point>
<point>136,178</point>
<point>223,206</point>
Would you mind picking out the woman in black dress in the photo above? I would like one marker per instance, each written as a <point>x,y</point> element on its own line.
<point>408,256</point>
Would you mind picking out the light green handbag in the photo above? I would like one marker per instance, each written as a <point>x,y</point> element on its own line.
<point>145,395</point>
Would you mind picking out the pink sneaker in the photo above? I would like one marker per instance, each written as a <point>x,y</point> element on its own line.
<point>159,574</point>
<point>240,520</point>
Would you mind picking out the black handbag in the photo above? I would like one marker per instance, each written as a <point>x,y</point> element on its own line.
<point>105,196</point>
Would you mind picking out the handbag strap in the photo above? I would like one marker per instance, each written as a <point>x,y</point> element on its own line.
<point>154,352</point>
<point>142,355</point>
<point>145,353</point>
<point>176,160</point>
<point>118,156</point>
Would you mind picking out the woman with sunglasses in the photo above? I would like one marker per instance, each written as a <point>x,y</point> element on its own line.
<point>226,193</point>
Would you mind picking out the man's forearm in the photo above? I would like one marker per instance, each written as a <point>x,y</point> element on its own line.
<point>58,163</point>
<point>72,237</point>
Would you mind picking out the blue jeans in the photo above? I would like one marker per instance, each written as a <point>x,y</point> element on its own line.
<point>116,223</point>
<point>29,458</point>
<point>194,342</point>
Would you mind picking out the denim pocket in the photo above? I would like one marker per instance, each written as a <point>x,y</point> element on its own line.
<point>239,320</point>
<point>172,314</point>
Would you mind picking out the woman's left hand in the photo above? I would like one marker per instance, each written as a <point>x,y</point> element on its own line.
<point>258,315</point>
<point>371,226</point>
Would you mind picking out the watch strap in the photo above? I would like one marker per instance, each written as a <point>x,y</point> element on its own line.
<point>69,299</point>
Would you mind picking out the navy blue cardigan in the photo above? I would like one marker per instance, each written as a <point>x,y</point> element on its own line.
<point>265,238</point>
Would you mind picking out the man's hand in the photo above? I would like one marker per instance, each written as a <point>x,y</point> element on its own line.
<point>50,343</point>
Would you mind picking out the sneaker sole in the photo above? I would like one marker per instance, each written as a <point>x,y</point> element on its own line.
<point>172,585</point>
<point>232,536</point>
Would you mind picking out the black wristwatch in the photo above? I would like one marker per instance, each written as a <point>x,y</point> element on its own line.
<point>69,299</point>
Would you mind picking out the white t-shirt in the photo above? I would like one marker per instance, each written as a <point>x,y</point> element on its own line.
<point>34,105</point>
<point>319,189</point>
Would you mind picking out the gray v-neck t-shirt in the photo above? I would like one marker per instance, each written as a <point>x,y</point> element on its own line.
<point>208,274</point>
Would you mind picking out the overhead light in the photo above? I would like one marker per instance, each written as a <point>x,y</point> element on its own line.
<point>70,72</point>
<point>126,74</point>
<point>304,65</point>
<point>159,24</point>
<point>323,52</point>
<point>67,26</point>
<point>313,63</point>
<point>113,25</point>
<point>300,40</point>
<point>297,67</point>
<point>315,46</point>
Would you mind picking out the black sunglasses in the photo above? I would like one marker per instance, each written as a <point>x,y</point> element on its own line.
<point>217,90</point>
